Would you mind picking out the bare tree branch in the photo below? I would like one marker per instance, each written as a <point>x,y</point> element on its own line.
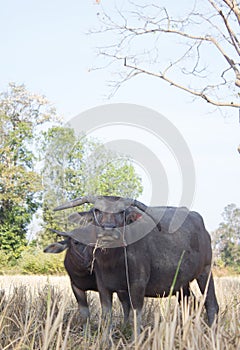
<point>234,6</point>
<point>174,83</point>
<point>207,32</point>
<point>232,35</point>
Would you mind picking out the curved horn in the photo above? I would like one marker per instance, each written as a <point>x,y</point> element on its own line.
<point>93,199</point>
<point>76,202</point>
<point>59,233</point>
<point>139,205</point>
<point>133,202</point>
<point>127,202</point>
<point>101,201</point>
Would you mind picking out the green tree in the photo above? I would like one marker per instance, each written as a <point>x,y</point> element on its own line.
<point>77,166</point>
<point>226,239</point>
<point>22,114</point>
<point>231,255</point>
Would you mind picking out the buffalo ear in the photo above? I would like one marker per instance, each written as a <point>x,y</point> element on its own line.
<point>140,226</point>
<point>56,247</point>
<point>133,216</point>
<point>81,218</point>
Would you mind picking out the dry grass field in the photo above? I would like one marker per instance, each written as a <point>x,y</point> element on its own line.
<point>38,312</point>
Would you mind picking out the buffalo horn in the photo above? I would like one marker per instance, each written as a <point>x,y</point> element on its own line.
<point>144,208</point>
<point>92,199</point>
<point>76,202</point>
<point>59,233</point>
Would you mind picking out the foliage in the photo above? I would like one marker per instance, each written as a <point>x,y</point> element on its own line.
<point>231,255</point>
<point>226,239</point>
<point>6,261</point>
<point>21,114</point>
<point>34,261</point>
<point>77,166</point>
<point>73,166</point>
<point>12,233</point>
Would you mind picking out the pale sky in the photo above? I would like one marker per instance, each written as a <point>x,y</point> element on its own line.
<point>44,45</point>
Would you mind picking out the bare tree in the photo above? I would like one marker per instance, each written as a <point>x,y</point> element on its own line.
<point>195,49</point>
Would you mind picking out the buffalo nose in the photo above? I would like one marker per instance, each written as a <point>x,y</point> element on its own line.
<point>109,226</point>
<point>109,234</point>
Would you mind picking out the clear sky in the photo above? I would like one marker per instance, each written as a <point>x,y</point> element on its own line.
<point>44,45</point>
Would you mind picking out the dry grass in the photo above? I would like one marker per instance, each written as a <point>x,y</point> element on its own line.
<point>41,313</point>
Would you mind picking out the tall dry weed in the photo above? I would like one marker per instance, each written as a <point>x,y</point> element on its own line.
<point>46,318</point>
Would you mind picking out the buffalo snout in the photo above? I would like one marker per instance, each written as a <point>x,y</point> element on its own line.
<point>109,234</point>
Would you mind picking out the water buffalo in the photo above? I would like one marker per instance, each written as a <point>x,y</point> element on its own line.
<point>143,256</point>
<point>78,262</point>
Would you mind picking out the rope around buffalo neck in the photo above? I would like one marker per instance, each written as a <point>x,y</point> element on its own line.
<point>97,245</point>
<point>126,261</point>
<point>127,275</point>
<point>125,255</point>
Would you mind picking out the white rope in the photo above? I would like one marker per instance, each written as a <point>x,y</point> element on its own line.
<point>127,276</point>
<point>126,261</point>
<point>97,245</point>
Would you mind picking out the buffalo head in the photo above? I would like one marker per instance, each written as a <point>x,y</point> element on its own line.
<point>80,251</point>
<point>114,221</point>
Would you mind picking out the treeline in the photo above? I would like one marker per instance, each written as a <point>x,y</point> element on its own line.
<point>44,163</point>
<point>226,240</point>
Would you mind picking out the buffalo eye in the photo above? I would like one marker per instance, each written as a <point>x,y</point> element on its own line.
<point>132,217</point>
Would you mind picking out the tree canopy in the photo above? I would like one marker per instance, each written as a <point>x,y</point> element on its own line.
<point>43,163</point>
<point>21,113</point>
<point>75,165</point>
<point>226,239</point>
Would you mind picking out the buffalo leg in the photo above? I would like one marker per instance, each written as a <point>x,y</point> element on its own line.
<point>106,305</point>
<point>184,292</point>
<point>125,301</point>
<point>137,292</point>
<point>211,303</point>
<point>81,297</point>
<point>106,317</point>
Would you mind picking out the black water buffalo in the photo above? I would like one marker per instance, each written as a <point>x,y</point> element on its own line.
<point>78,262</point>
<point>144,249</point>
